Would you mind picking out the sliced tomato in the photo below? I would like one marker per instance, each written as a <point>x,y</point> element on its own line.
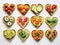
<point>6,9</point>
<point>6,5</point>
<point>20,19</point>
<point>26,19</point>
<point>22,22</point>
<point>54,6</point>
<point>12,5</point>
<point>51,10</point>
<point>12,9</point>
<point>9,8</point>
<point>9,11</point>
<point>48,8</point>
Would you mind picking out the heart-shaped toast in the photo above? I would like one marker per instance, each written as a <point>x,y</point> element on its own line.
<point>37,34</point>
<point>9,34</point>
<point>22,21</point>
<point>51,34</point>
<point>36,8</point>
<point>23,8</point>
<point>9,8</point>
<point>37,21</point>
<point>51,8</point>
<point>23,34</point>
<point>8,20</point>
<point>51,21</point>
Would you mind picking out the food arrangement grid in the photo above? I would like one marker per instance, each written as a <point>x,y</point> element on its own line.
<point>29,22</point>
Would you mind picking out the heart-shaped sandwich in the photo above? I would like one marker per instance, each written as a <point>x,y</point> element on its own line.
<point>51,34</point>
<point>23,8</point>
<point>36,8</point>
<point>22,21</point>
<point>8,20</point>
<point>37,34</point>
<point>9,34</point>
<point>9,8</point>
<point>23,34</point>
<point>51,21</point>
<point>51,8</point>
<point>37,21</point>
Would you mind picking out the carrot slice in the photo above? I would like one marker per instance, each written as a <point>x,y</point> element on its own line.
<point>26,7</point>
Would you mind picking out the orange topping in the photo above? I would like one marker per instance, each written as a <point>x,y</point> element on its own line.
<point>23,11</point>
<point>37,22</point>
<point>33,19</point>
<point>20,7</point>
<point>26,7</point>
<point>40,19</point>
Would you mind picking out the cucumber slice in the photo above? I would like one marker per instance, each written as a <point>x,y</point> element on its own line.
<point>9,23</point>
<point>11,19</point>
<point>6,19</point>
<point>39,8</point>
<point>34,9</point>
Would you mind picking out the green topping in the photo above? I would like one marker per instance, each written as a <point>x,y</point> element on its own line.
<point>9,23</point>
<point>52,21</point>
<point>22,34</point>
<point>37,34</point>
<point>39,8</point>
<point>6,19</point>
<point>9,34</point>
<point>36,8</point>
<point>33,7</point>
<point>11,19</point>
<point>48,20</point>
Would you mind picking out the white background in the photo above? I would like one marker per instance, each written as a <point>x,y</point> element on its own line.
<point>30,27</point>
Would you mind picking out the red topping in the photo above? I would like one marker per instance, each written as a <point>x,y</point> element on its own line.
<point>12,9</point>
<point>22,22</point>
<point>9,8</point>
<point>20,19</point>
<point>9,11</point>
<point>12,6</point>
<point>6,5</point>
<point>51,10</point>
<point>6,9</point>
<point>48,8</point>
<point>54,6</point>
<point>26,19</point>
